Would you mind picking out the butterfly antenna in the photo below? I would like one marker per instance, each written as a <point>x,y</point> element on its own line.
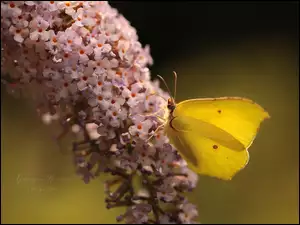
<point>160,77</point>
<point>175,84</point>
<point>160,96</point>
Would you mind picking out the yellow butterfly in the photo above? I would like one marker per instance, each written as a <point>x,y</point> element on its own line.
<point>213,134</point>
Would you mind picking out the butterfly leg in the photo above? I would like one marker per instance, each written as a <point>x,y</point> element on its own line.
<point>155,132</point>
<point>163,120</point>
<point>149,114</point>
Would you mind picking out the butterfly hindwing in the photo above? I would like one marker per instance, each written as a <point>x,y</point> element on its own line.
<point>204,155</point>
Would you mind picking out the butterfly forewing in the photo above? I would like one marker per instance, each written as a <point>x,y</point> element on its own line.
<point>239,117</point>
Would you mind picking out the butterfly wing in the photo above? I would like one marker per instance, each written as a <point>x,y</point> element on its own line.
<point>239,117</point>
<point>204,155</point>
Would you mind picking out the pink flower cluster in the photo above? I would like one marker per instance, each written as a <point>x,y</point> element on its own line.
<point>82,63</point>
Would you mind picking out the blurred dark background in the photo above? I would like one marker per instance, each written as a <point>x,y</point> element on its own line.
<point>247,49</point>
<point>183,28</point>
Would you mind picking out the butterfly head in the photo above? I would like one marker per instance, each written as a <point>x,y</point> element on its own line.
<point>171,101</point>
<point>171,104</point>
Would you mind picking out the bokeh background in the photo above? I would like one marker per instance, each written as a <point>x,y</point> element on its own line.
<point>218,49</point>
